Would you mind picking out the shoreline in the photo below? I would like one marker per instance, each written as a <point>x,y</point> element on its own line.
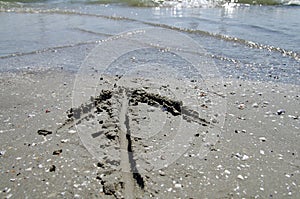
<point>256,155</point>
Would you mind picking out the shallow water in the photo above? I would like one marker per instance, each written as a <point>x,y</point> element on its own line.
<point>245,41</point>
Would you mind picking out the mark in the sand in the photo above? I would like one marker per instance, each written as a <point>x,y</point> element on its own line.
<point>136,175</point>
<point>113,125</point>
<point>114,132</point>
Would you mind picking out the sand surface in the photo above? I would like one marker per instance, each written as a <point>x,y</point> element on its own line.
<point>147,138</point>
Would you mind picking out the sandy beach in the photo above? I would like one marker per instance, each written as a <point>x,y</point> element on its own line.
<point>149,99</point>
<point>101,149</point>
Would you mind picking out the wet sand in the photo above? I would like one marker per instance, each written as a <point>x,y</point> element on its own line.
<point>101,150</point>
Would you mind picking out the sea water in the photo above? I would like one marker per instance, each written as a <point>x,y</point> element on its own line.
<point>246,39</point>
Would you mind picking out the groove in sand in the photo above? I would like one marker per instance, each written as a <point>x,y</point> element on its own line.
<point>125,162</point>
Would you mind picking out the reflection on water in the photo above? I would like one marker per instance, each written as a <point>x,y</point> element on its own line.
<point>234,33</point>
<point>172,12</point>
<point>229,10</point>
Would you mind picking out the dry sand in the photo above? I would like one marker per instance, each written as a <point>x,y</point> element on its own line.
<point>102,149</point>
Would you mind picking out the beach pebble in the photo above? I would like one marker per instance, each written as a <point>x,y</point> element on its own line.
<point>6,190</point>
<point>238,155</point>
<point>281,112</point>
<point>44,132</point>
<point>2,153</point>
<point>219,167</point>
<point>162,173</point>
<point>241,106</point>
<point>71,131</point>
<point>241,118</point>
<point>227,172</point>
<point>263,139</point>
<point>293,117</point>
<point>245,157</point>
<point>240,177</point>
<point>265,102</point>
<point>52,168</point>
<point>31,115</point>
<point>287,175</point>
<point>178,185</point>
<point>57,152</point>
<point>65,140</point>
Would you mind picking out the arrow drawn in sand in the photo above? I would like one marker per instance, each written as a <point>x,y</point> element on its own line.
<point>150,97</point>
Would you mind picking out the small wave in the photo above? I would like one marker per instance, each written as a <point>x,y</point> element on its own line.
<point>291,3</point>
<point>250,44</point>
<point>51,49</point>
